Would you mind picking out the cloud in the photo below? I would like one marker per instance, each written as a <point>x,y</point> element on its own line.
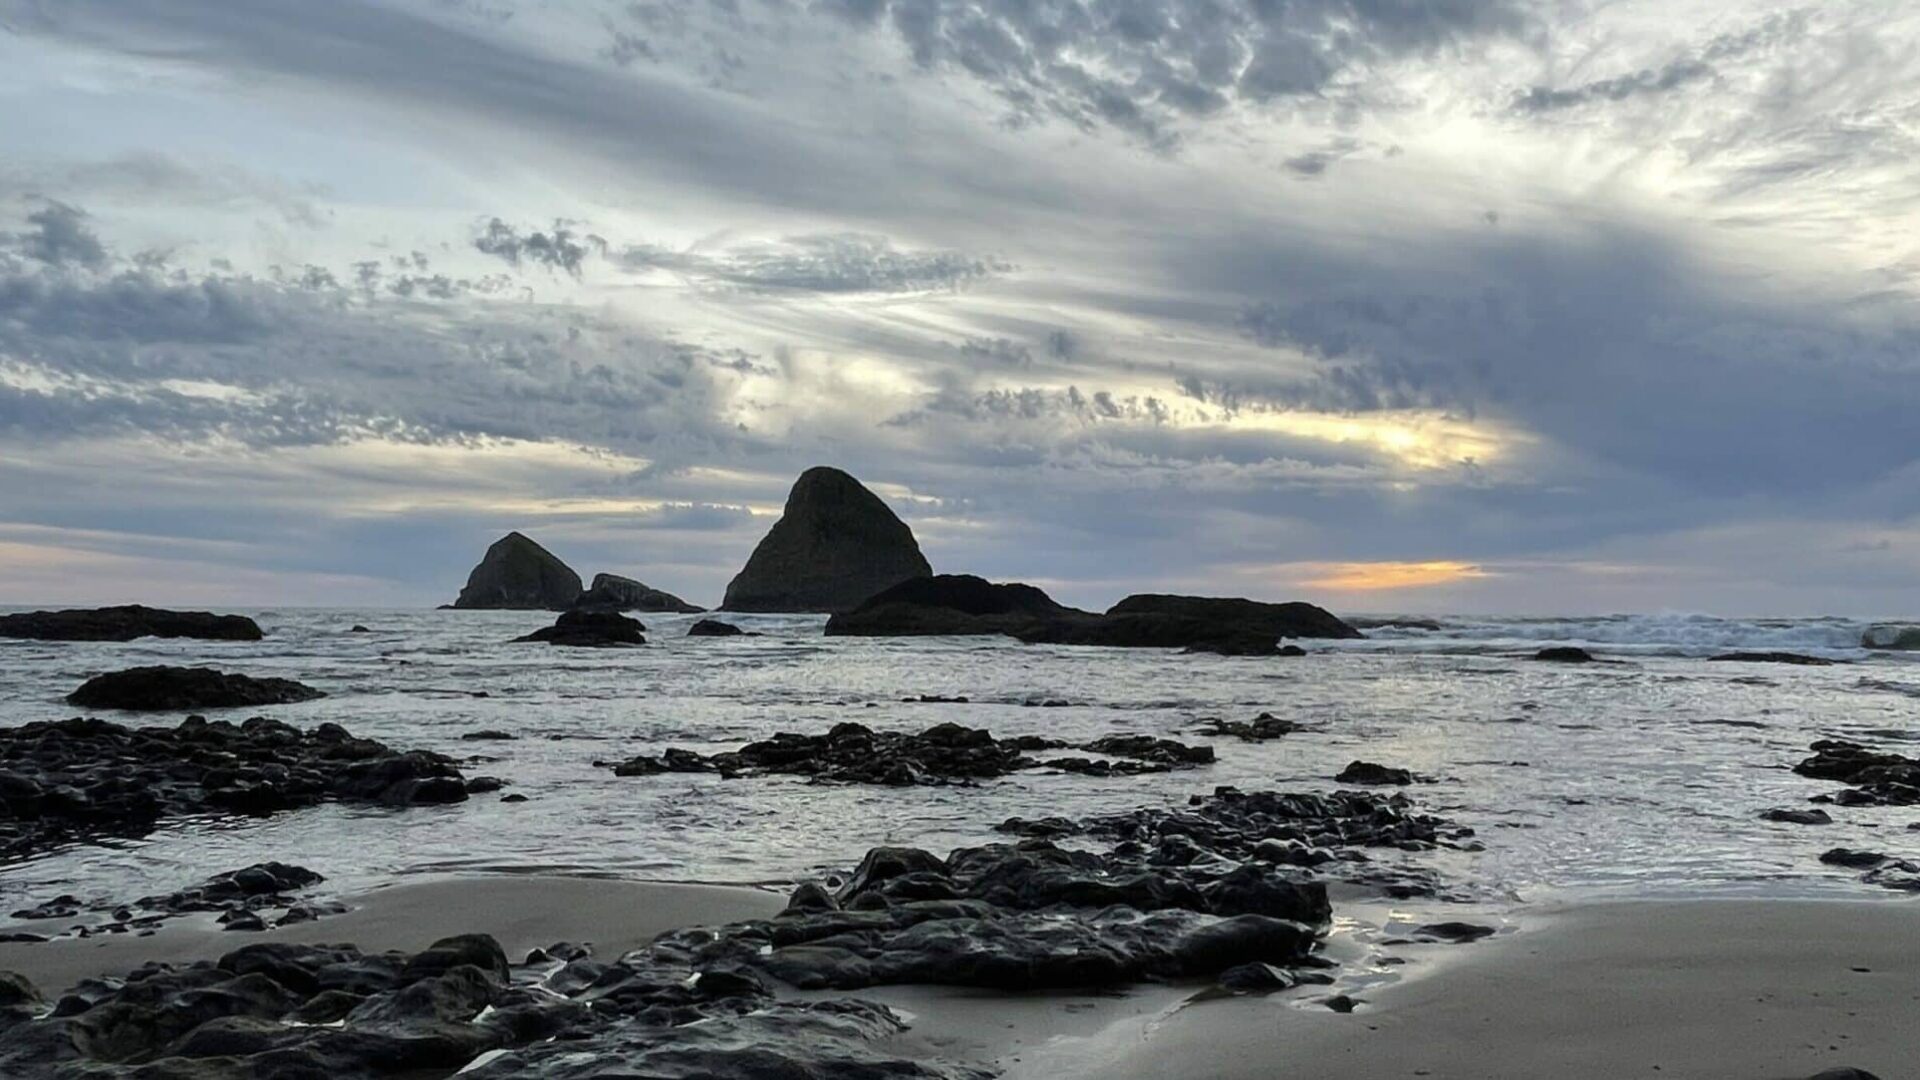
<point>560,248</point>
<point>58,236</point>
<point>835,263</point>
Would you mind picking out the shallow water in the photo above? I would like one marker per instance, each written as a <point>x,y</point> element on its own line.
<point>1642,778</point>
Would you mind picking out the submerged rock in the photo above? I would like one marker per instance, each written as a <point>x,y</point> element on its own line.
<point>158,689</point>
<point>1791,816</point>
<point>590,629</point>
<point>1564,654</point>
<point>835,545</point>
<point>126,623</point>
<point>942,754</point>
<point>611,592</point>
<point>81,778</point>
<point>1259,729</point>
<point>518,574</point>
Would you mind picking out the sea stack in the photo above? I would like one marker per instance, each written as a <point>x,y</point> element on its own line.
<point>611,592</point>
<point>520,575</point>
<point>835,545</point>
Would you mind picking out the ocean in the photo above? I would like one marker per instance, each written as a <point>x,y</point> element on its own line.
<point>1641,778</point>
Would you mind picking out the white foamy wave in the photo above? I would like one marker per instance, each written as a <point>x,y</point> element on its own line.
<point>1666,634</point>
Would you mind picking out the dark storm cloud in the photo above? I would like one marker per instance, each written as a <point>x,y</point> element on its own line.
<point>1145,65</point>
<point>559,248</point>
<point>57,235</point>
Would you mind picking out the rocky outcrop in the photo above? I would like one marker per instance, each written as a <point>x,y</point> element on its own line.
<point>244,898</point>
<point>520,575</point>
<point>1878,779</point>
<point>1295,619</point>
<point>126,624</point>
<point>75,779</point>
<point>1564,654</point>
<point>611,592</point>
<point>951,604</point>
<point>590,629</point>
<point>942,754</point>
<point>835,545</point>
<point>164,689</point>
<point>716,628</point>
<point>1372,774</point>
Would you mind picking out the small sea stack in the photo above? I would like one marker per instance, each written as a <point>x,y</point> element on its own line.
<point>163,689</point>
<point>611,592</point>
<point>835,545</point>
<point>590,629</point>
<point>519,575</point>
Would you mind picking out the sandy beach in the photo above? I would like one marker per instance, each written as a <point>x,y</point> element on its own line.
<point>1708,989</point>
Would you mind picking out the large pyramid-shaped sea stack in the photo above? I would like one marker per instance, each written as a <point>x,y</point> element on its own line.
<point>835,545</point>
<point>520,575</point>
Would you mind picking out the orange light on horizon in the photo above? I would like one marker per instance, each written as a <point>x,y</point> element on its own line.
<point>1373,576</point>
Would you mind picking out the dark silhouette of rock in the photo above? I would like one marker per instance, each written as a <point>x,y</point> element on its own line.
<point>1295,619</point>
<point>1259,729</point>
<point>1453,933</point>
<point>590,630</point>
<point>1776,658</point>
<point>80,778</point>
<point>835,545</point>
<point>1878,779</point>
<point>1366,772</point>
<point>1789,816</point>
<point>716,628</point>
<point>157,689</point>
<point>951,604</point>
<point>611,592</point>
<point>520,575</point>
<point>126,624</point>
<point>1564,654</point>
<point>942,754</point>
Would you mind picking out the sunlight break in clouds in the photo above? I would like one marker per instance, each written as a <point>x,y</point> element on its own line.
<point>1372,577</point>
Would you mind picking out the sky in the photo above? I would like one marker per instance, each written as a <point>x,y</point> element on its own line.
<point>1505,306</point>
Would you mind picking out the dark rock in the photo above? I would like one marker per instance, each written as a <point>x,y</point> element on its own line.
<point>1843,1074</point>
<point>359,629</point>
<point>489,735</point>
<point>1775,658</point>
<point>1260,729</point>
<point>518,574</point>
<point>1564,654</point>
<point>83,778</point>
<point>1342,1003</point>
<point>126,624</point>
<point>1455,933</point>
<point>1851,859</point>
<point>835,545</point>
<point>611,592</point>
<point>590,629</point>
<point>476,950</point>
<point>1366,772</point>
<point>1879,779</point>
<point>950,604</point>
<point>1787,816</point>
<point>1258,979</point>
<point>714,628</point>
<point>1289,620</point>
<point>156,689</point>
<point>513,798</point>
<point>942,754</point>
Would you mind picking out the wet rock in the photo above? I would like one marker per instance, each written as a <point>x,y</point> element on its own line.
<point>1843,1073</point>
<point>1453,933</point>
<point>518,574</point>
<point>590,630</point>
<point>76,779</point>
<point>1791,816</point>
<point>835,545</point>
<point>950,604</point>
<point>1342,1003</point>
<point>359,629</point>
<point>1287,620</point>
<point>1852,859</point>
<point>1564,654</point>
<point>1258,979</point>
<point>489,735</point>
<point>611,592</point>
<point>1775,658</point>
<point>715,628</point>
<point>943,754</point>
<point>1260,729</point>
<point>1878,779</point>
<point>160,689</point>
<point>127,623</point>
<point>1366,772</point>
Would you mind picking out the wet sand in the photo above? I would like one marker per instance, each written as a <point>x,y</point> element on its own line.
<point>521,912</point>
<point>1705,990</point>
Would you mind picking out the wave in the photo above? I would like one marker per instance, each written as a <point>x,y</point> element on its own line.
<point>1665,634</point>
